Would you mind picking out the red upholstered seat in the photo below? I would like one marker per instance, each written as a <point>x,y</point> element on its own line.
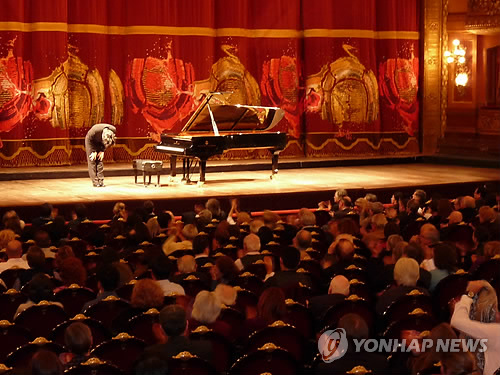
<point>9,302</point>
<point>21,357</point>
<point>282,335</point>
<point>266,359</point>
<point>122,351</point>
<point>221,347</point>
<point>186,363</point>
<point>41,319</point>
<point>141,326</point>
<point>12,337</point>
<point>106,310</point>
<point>94,366</point>
<point>99,332</point>
<point>74,298</point>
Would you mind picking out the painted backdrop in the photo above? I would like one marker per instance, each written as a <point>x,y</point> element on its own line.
<point>345,72</point>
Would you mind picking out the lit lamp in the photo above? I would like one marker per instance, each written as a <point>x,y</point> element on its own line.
<point>458,57</point>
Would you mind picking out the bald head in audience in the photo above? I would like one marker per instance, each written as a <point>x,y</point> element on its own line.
<point>339,285</point>
<point>14,249</point>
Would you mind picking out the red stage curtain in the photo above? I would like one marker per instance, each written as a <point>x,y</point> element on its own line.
<point>346,73</point>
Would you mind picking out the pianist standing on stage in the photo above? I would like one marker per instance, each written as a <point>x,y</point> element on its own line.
<point>98,139</point>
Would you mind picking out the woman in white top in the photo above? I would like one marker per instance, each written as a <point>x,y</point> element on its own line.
<point>476,316</point>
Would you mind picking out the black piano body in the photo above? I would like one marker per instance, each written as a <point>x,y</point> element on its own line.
<point>217,127</point>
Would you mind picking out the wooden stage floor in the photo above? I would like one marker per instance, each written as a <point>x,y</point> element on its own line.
<point>294,188</point>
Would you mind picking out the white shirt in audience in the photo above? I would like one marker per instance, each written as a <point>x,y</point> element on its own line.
<point>171,288</point>
<point>14,263</point>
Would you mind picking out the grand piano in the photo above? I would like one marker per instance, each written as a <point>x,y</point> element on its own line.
<point>216,127</point>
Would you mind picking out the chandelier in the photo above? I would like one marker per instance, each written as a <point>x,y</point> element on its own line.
<point>457,57</point>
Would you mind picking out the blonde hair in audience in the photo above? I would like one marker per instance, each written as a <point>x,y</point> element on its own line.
<point>226,294</point>
<point>147,294</point>
<point>6,236</point>
<point>392,241</point>
<point>255,225</point>
<point>186,264</point>
<point>487,214</point>
<point>119,208</point>
<point>190,232</point>
<point>153,227</point>
<point>491,248</point>
<point>406,272</point>
<point>206,307</point>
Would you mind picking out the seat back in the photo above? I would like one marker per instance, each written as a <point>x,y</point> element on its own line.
<point>13,336</point>
<point>99,332</point>
<point>489,270</point>
<point>74,298</point>
<point>21,357</point>
<point>446,290</point>
<point>141,326</point>
<point>250,282</point>
<point>282,335</point>
<point>122,351</point>
<point>10,301</point>
<point>41,319</point>
<point>245,299</point>
<point>11,277</point>
<point>94,366</point>
<point>107,310</point>
<point>404,305</point>
<point>234,318</point>
<point>416,320</point>
<point>125,291</point>
<point>186,363</point>
<point>221,347</point>
<point>267,359</point>
<point>193,285</point>
<point>301,317</point>
<point>352,304</point>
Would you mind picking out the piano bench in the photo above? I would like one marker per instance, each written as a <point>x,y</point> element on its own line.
<point>148,168</point>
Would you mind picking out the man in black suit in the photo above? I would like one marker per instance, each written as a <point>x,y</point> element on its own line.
<point>201,250</point>
<point>337,292</point>
<point>97,140</point>
<point>288,277</point>
<point>171,332</point>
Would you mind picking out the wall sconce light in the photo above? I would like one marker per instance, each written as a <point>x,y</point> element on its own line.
<point>457,57</point>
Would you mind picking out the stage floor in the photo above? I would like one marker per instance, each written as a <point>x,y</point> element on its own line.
<point>251,184</point>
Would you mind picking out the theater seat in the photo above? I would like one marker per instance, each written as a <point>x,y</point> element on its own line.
<point>99,332</point>
<point>282,335</point>
<point>251,282</point>
<point>221,347</point>
<point>11,277</point>
<point>21,357</point>
<point>122,351</point>
<point>186,363</point>
<point>141,326</point>
<point>94,366</point>
<point>268,358</point>
<point>300,317</point>
<point>401,307</point>
<point>417,320</point>
<point>74,298</point>
<point>352,304</point>
<point>106,310</point>
<point>9,302</point>
<point>41,319</point>
<point>448,289</point>
<point>12,337</point>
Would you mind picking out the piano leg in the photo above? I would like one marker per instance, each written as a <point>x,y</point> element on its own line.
<point>184,169</point>
<point>203,167</point>
<point>274,165</point>
<point>173,165</point>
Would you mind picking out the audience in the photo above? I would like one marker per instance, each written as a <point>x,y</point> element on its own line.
<point>377,256</point>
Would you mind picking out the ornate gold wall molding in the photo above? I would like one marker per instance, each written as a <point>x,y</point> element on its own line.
<point>434,97</point>
<point>483,16</point>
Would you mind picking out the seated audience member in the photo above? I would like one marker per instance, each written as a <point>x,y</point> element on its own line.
<point>356,329</point>
<point>147,294</point>
<point>36,261</point>
<point>406,274</point>
<point>201,250</point>
<point>226,294</point>
<point>14,252</point>
<point>250,253</point>
<point>224,271</point>
<point>488,219</point>
<point>270,308</point>
<point>338,290</point>
<point>186,265</point>
<point>42,240</point>
<point>46,215</point>
<point>12,221</point>
<point>287,276</point>
<point>45,362</point>
<point>62,253</point>
<point>429,236</point>
<point>343,255</point>
<point>397,252</point>
<point>468,208</point>
<point>426,361</point>
<point>108,279</point>
<point>213,205</point>
<point>415,251</point>
<point>40,288</point>
<point>180,241</point>
<point>78,340</point>
<point>171,334</point>
<point>72,271</point>
<point>475,315</point>
<point>119,212</point>
<point>151,366</point>
<point>206,310</point>
<point>458,363</point>
<point>111,257</point>
<point>161,269</point>
<point>303,241</point>
<point>445,260</point>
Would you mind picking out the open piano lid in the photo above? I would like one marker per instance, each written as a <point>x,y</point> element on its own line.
<point>232,118</point>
